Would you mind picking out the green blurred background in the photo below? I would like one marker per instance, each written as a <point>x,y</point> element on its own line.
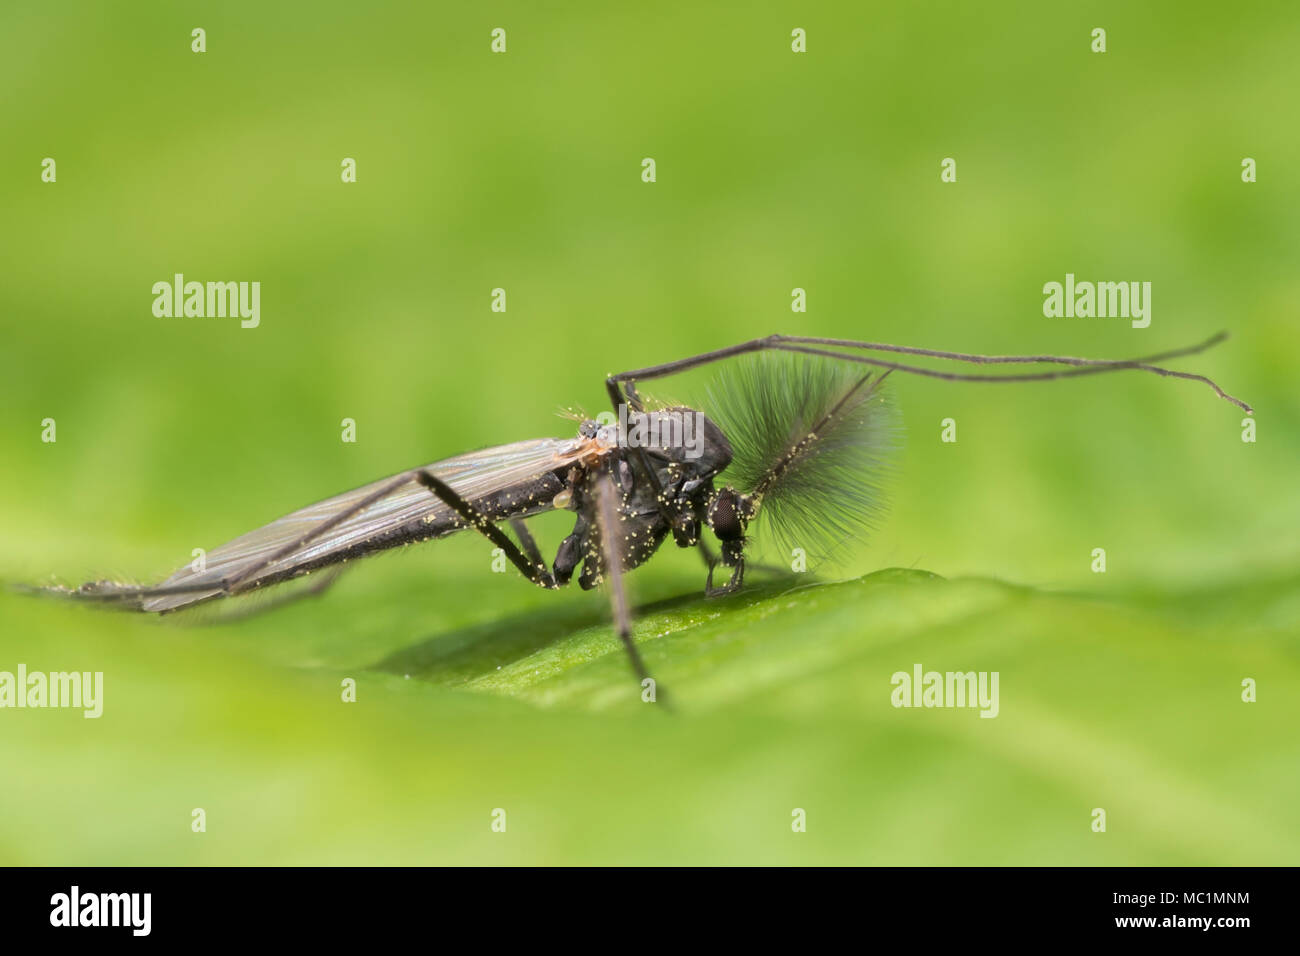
<point>774,171</point>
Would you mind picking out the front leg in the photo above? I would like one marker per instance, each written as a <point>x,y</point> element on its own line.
<point>737,579</point>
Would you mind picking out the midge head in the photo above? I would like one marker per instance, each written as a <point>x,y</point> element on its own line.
<point>807,444</point>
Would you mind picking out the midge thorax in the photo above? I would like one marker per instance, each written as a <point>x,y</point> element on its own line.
<point>795,432</point>
<point>663,486</point>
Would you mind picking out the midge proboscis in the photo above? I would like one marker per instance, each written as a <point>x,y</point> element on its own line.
<point>801,428</point>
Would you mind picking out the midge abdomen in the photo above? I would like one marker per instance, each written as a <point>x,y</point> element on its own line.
<point>521,501</point>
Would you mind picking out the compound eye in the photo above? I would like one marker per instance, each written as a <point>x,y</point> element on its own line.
<point>589,428</point>
<point>724,518</point>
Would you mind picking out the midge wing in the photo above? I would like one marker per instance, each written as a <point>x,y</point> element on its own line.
<point>408,512</point>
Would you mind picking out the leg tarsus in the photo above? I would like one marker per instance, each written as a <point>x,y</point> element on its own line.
<point>737,579</point>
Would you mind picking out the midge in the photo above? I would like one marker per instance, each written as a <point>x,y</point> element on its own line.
<point>802,430</point>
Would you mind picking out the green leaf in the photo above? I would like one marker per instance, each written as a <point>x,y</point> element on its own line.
<point>782,700</point>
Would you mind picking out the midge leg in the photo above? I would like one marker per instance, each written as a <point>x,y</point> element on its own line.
<point>607,529</point>
<point>808,345</point>
<point>712,562</point>
<point>526,542</point>
<point>737,579</point>
<point>537,572</point>
<point>315,589</point>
